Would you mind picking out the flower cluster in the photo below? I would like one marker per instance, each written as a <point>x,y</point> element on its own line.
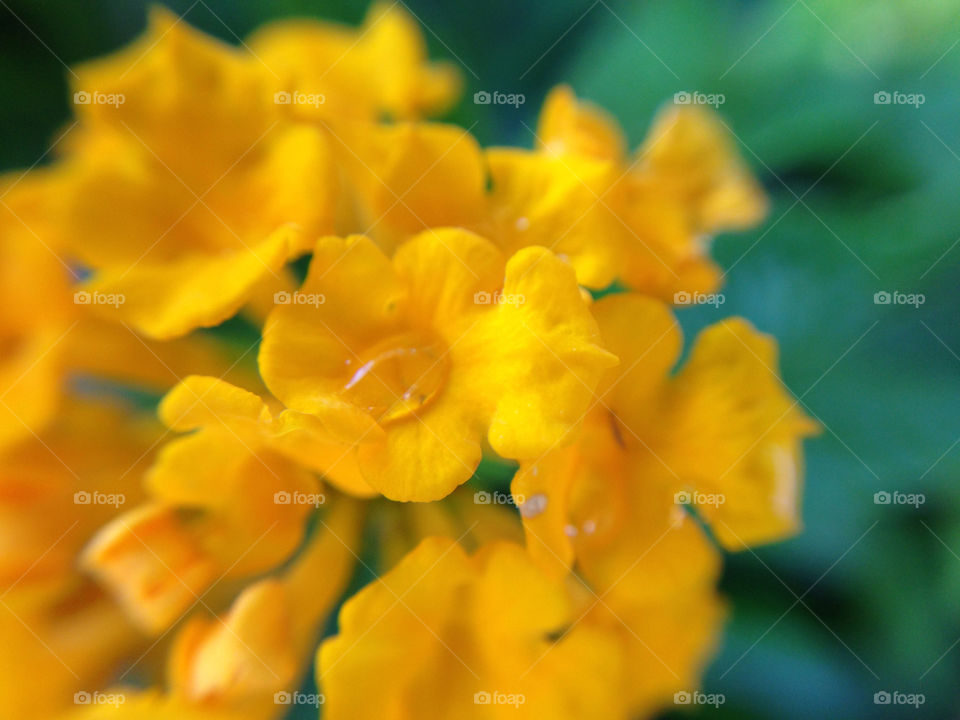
<point>418,307</point>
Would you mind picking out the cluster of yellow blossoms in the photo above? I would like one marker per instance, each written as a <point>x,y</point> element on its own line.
<point>188,568</point>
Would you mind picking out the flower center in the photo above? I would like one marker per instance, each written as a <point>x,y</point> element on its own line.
<point>397,377</point>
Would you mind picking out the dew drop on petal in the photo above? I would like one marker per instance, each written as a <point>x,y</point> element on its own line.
<point>534,505</point>
<point>396,377</point>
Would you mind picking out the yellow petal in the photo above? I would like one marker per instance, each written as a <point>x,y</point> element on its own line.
<point>250,652</point>
<point>184,94</point>
<point>428,455</point>
<point>559,202</point>
<point>170,299</point>
<point>410,87</point>
<point>570,126</point>
<point>50,654</point>
<point>261,645</point>
<point>357,74</point>
<point>413,176</point>
<point>152,564</point>
<point>304,344</point>
<point>735,435</point>
<point>319,443</point>
<point>546,358</point>
<point>36,325</point>
<point>664,252</point>
<point>665,645</point>
<point>197,401</point>
<point>129,704</point>
<point>463,630</point>
<point>445,269</point>
<point>254,501</point>
<point>157,191</point>
<point>690,151</point>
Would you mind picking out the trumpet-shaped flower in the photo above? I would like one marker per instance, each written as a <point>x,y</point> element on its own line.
<point>61,633</point>
<point>222,507</point>
<point>721,436</point>
<point>158,181</point>
<point>643,220</point>
<point>446,635</point>
<point>444,344</point>
<point>338,73</point>
<point>245,663</point>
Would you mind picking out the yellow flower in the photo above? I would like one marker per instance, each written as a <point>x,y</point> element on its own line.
<point>245,663</point>
<point>441,346</point>
<point>212,407</point>
<point>442,316</point>
<point>49,334</point>
<point>61,633</point>
<point>337,73</point>
<point>721,436</point>
<point>36,318</point>
<point>552,200</point>
<point>262,644</point>
<point>229,500</point>
<point>407,178</point>
<point>220,509</point>
<point>444,635</point>
<point>179,139</point>
<point>664,643</point>
<point>642,220</point>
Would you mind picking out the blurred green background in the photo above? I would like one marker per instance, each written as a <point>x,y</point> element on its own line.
<point>865,199</point>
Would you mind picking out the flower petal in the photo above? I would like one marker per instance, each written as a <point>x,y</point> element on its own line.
<point>559,202</point>
<point>736,434</point>
<point>168,300</point>
<point>543,358</point>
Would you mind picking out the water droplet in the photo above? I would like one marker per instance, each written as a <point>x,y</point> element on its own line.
<point>522,223</point>
<point>534,505</point>
<point>396,377</point>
